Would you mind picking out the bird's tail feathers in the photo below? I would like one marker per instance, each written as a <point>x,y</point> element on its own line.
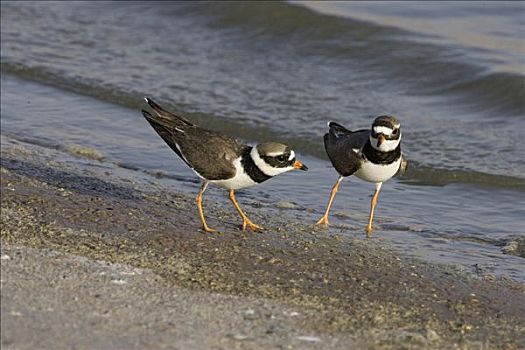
<point>337,129</point>
<point>161,113</point>
<point>161,125</point>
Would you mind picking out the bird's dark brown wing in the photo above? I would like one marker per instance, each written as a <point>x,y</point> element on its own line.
<point>207,152</point>
<point>341,145</point>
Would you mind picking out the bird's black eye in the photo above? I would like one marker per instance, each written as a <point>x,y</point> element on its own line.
<point>395,132</point>
<point>281,158</point>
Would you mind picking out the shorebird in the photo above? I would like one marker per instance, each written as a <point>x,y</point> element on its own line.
<point>373,155</point>
<point>220,159</point>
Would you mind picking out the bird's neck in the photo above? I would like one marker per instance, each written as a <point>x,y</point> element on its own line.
<point>380,157</point>
<point>251,168</point>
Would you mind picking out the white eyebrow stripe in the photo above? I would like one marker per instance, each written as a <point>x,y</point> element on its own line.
<point>274,154</point>
<point>383,130</point>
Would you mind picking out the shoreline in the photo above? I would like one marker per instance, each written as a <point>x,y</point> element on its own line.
<point>475,241</point>
<point>346,290</point>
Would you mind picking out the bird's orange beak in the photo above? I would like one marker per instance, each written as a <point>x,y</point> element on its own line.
<point>298,165</point>
<point>380,140</point>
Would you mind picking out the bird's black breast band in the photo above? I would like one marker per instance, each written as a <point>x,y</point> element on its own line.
<point>251,169</point>
<point>378,157</point>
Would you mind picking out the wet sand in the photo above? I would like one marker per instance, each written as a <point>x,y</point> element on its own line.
<point>93,257</point>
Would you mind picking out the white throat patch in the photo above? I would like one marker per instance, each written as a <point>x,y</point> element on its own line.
<point>265,167</point>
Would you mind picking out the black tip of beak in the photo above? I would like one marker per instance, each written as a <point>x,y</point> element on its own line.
<point>298,165</point>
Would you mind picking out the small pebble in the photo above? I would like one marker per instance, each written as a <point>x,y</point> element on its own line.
<point>432,335</point>
<point>291,314</point>
<point>241,337</point>
<point>510,247</point>
<point>515,247</point>
<point>119,282</point>
<point>309,338</point>
<point>285,205</point>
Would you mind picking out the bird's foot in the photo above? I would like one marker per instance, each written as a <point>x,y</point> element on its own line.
<point>322,221</point>
<point>246,223</point>
<point>368,231</point>
<point>208,229</point>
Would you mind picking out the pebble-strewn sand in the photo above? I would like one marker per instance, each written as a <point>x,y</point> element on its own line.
<point>91,260</point>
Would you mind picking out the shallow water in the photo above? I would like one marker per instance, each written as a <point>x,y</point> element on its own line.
<point>279,71</point>
<point>460,224</point>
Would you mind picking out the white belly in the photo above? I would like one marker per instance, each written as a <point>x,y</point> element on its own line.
<point>377,172</point>
<point>240,180</point>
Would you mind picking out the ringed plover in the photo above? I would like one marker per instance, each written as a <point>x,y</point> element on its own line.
<point>220,159</point>
<point>372,155</point>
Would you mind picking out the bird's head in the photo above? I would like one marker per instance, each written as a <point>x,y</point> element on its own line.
<point>275,158</point>
<point>385,134</point>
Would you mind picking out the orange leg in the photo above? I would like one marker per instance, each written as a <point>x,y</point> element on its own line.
<point>324,219</point>
<point>245,220</point>
<point>198,200</point>
<point>372,207</point>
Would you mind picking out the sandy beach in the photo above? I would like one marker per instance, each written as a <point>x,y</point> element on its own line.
<point>92,259</point>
